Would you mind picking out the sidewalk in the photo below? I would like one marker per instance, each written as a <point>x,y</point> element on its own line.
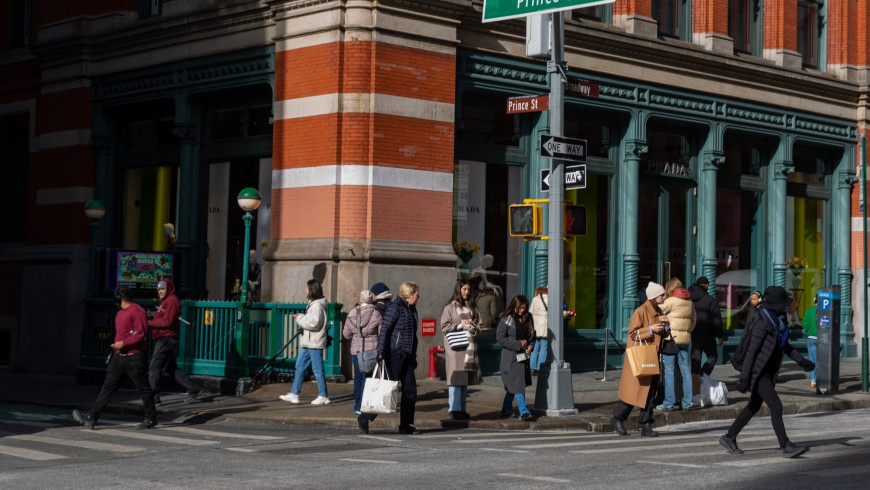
<point>593,398</point>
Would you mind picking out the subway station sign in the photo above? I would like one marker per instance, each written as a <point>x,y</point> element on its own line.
<point>495,10</point>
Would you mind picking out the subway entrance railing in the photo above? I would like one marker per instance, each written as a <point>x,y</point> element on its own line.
<point>208,335</point>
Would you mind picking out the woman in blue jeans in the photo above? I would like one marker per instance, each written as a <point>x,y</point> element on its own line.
<point>516,334</point>
<point>680,313</point>
<point>361,328</point>
<point>311,345</point>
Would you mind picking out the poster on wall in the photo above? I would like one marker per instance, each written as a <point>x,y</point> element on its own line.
<point>139,270</point>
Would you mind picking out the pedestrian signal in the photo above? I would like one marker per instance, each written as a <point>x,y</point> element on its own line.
<point>575,220</point>
<point>526,220</point>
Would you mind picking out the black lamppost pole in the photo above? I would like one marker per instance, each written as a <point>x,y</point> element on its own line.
<point>95,210</point>
<point>249,200</point>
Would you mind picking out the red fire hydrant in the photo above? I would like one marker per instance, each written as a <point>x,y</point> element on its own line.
<point>433,360</point>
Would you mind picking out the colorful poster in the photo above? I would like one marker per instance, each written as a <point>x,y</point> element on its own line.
<point>142,270</point>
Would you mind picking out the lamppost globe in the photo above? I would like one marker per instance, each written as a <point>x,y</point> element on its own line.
<point>95,209</point>
<point>249,199</point>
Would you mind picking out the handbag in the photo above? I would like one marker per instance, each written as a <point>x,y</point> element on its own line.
<point>457,340</point>
<point>380,394</point>
<point>643,358</point>
<point>669,347</point>
<point>365,359</point>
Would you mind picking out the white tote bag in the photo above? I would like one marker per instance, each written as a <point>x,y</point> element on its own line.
<point>380,395</point>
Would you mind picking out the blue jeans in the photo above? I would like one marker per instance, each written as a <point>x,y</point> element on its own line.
<point>812,350</point>
<point>539,354</point>
<point>456,396</point>
<point>507,405</point>
<point>359,383</point>
<point>314,358</point>
<point>682,358</point>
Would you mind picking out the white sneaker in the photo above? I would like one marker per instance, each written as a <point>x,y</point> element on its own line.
<point>320,400</point>
<point>290,397</point>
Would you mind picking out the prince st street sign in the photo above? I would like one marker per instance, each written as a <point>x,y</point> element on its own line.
<point>495,10</point>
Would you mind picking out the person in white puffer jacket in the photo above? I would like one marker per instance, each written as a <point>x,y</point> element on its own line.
<point>680,312</point>
<point>311,345</point>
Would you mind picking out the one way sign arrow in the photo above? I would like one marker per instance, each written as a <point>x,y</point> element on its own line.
<point>560,148</point>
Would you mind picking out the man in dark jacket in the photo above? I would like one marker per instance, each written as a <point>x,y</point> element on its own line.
<point>397,345</point>
<point>708,327</point>
<point>128,359</point>
<point>767,342</point>
<point>164,332</point>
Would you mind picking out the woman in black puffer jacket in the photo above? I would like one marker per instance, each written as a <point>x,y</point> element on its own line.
<point>767,342</point>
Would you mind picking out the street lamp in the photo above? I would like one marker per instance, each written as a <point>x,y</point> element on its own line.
<point>95,210</point>
<point>249,200</point>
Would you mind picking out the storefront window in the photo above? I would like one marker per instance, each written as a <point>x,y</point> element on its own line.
<point>806,226</point>
<point>739,229</point>
<point>587,257</point>
<point>485,120</point>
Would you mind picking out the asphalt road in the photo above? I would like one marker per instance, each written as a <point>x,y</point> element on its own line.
<point>43,448</point>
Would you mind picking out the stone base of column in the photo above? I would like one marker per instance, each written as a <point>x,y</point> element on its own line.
<point>637,24</point>
<point>711,41</point>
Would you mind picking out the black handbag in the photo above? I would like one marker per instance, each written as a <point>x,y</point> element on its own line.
<point>669,347</point>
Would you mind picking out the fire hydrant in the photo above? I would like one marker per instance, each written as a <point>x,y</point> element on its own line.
<point>433,360</point>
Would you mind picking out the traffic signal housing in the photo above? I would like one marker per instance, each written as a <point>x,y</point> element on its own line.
<point>575,220</point>
<point>526,220</point>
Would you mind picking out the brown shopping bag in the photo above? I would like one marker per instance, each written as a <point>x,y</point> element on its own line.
<point>643,359</point>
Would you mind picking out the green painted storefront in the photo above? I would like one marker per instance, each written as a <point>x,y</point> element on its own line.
<point>679,184</point>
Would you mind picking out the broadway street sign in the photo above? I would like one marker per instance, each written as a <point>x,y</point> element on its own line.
<point>495,10</point>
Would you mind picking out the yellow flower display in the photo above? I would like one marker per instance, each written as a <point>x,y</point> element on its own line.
<point>465,250</point>
<point>796,263</point>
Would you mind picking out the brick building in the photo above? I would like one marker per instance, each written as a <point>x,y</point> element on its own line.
<point>721,134</point>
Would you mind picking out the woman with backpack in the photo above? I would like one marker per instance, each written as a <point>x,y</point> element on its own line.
<point>758,358</point>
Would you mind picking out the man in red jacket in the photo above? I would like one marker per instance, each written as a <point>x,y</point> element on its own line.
<point>128,359</point>
<point>164,332</point>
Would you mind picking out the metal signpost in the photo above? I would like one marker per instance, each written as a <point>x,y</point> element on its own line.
<point>559,387</point>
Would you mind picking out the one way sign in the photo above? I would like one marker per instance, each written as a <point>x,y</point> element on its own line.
<point>575,178</point>
<point>571,149</point>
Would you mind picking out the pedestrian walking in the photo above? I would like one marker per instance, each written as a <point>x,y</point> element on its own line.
<point>516,334</point>
<point>708,328</point>
<point>639,391</point>
<point>397,346</point>
<point>680,312</point>
<point>767,342</point>
<point>382,295</point>
<point>462,367</point>
<point>362,327</point>
<point>128,359</point>
<point>311,345</point>
<point>811,327</point>
<point>165,329</point>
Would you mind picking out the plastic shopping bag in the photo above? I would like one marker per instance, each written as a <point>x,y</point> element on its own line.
<point>380,395</point>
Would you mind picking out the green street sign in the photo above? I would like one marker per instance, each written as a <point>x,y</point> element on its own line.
<point>495,10</point>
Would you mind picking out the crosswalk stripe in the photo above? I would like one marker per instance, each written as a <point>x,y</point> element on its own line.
<point>524,439</point>
<point>463,435</point>
<point>502,450</point>
<point>98,446</point>
<point>19,452</point>
<point>687,465</point>
<point>153,437</point>
<point>377,461</point>
<point>211,433</point>
<point>536,478</point>
<point>835,472</point>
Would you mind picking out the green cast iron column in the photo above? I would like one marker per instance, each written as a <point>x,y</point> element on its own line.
<point>780,168</point>
<point>710,162</point>
<point>841,232</point>
<point>628,191</point>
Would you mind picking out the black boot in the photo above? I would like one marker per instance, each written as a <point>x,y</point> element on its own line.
<point>363,424</point>
<point>791,451</point>
<point>618,427</point>
<point>646,430</point>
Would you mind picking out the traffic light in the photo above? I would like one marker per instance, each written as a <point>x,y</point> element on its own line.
<point>525,220</point>
<point>575,220</point>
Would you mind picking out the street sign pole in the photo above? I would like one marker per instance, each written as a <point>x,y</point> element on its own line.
<point>560,389</point>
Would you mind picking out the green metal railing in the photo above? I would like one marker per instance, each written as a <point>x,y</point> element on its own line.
<point>206,341</point>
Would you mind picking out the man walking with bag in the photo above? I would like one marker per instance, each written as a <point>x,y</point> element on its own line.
<point>165,327</point>
<point>645,327</point>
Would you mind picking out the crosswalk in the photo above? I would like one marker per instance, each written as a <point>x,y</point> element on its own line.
<point>50,441</point>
